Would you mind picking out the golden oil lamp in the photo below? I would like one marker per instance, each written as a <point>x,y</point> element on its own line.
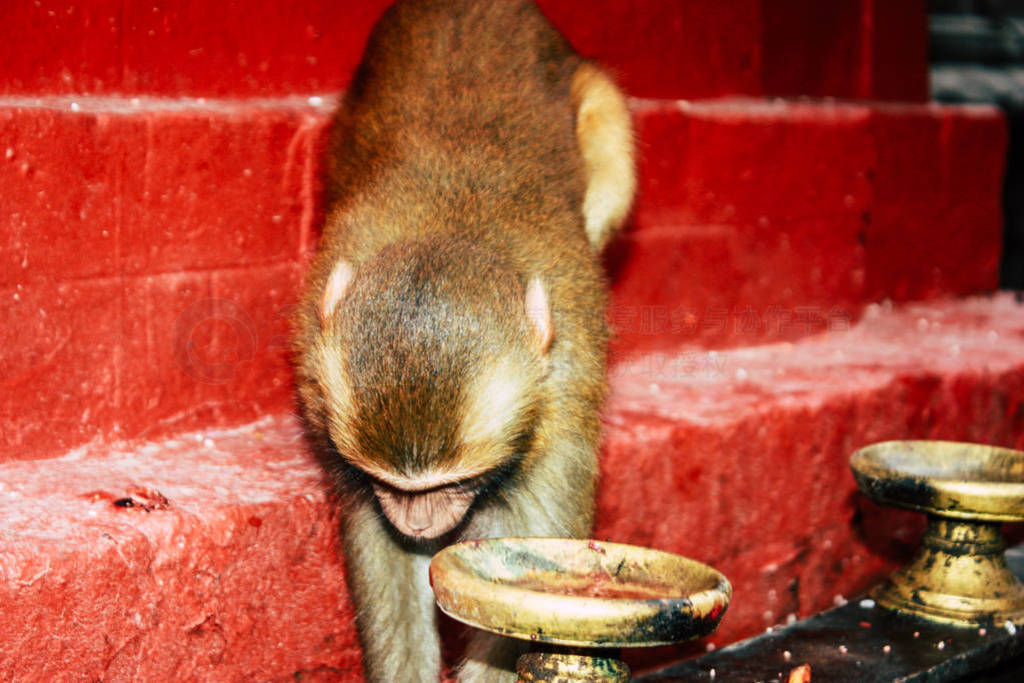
<point>578,601</point>
<point>960,575</point>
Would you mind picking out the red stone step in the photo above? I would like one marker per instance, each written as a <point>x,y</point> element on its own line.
<point>766,220</point>
<point>149,255</point>
<point>737,458</point>
<point>235,577</point>
<point>658,48</point>
<point>150,248</point>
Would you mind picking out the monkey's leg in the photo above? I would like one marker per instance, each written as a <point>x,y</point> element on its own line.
<point>605,136</point>
<point>394,604</point>
<point>554,498</point>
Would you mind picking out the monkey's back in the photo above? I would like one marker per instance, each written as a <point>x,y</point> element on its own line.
<point>459,118</point>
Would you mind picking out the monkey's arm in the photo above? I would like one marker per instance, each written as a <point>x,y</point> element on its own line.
<point>605,137</point>
<point>394,604</point>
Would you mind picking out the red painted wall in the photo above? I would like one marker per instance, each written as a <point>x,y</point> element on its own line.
<point>658,48</point>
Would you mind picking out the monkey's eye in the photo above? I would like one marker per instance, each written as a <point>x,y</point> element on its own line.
<point>472,484</point>
<point>497,476</point>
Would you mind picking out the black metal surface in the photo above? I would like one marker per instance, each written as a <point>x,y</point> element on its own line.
<point>849,643</point>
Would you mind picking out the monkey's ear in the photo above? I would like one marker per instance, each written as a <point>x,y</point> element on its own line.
<point>334,292</point>
<point>538,311</point>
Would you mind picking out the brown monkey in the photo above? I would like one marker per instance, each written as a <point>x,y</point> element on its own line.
<point>451,341</point>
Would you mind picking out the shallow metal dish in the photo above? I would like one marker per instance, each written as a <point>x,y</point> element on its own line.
<point>964,480</point>
<point>578,592</point>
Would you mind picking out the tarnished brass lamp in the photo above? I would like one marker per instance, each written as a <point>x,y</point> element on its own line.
<point>960,575</point>
<point>585,596</point>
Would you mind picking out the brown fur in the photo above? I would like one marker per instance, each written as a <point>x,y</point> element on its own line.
<point>457,188</point>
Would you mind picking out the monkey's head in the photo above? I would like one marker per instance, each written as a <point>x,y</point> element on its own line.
<point>430,358</point>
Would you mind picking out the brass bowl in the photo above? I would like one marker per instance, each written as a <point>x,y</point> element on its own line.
<point>960,575</point>
<point>959,480</point>
<point>578,593</point>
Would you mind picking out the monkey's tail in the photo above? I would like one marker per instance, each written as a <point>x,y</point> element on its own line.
<point>604,133</point>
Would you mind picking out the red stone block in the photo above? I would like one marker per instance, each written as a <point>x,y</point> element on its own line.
<point>263,47</point>
<point>261,378</point>
<point>723,285</point>
<point>163,346</point>
<point>207,349</point>
<point>140,187</point>
<point>748,160</point>
<point>142,358</point>
<point>182,47</point>
<point>850,49</point>
<point>225,567</point>
<point>104,193</point>
<point>975,153</point>
<point>899,50</point>
<point>662,48</point>
<point>666,48</point>
<point>218,185</point>
<point>920,251</point>
<point>935,223</point>
<point>62,377</point>
<point>760,221</point>
<point>748,224</point>
<point>48,46</point>
<point>910,144</point>
<point>832,32</point>
<point>60,180</point>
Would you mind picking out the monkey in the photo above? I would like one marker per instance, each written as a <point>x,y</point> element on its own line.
<point>450,343</point>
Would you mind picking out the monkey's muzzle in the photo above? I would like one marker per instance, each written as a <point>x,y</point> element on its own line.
<point>425,514</point>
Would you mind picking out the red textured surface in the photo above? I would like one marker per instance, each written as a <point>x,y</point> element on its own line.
<point>737,458</point>
<point>202,178</point>
<point>237,579</point>
<point>131,186</point>
<point>853,49</point>
<point>758,221</point>
<point>659,48</point>
<point>60,173</point>
<point>746,224</point>
<point>210,349</point>
<point>956,185</point>
<point>176,47</point>
<point>150,251</point>
<point>667,48</point>
<point>897,39</point>
<point>60,366</point>
<point>175,233</point>
<point>142,357</point>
